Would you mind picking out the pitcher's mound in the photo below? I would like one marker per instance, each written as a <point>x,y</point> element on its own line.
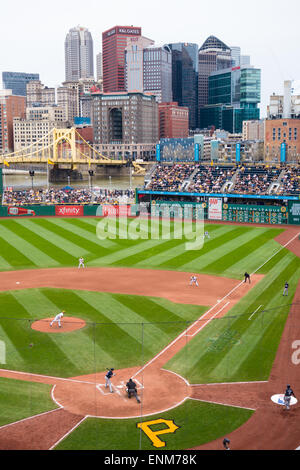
<point>68,324</point>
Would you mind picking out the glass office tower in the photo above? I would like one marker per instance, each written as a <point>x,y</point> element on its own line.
<point>17,81</point>
<point>185,78</point>
<point>234,96</point>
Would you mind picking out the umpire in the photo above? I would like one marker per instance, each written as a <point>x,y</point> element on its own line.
<point>247,278</point>
<point>131,390</point>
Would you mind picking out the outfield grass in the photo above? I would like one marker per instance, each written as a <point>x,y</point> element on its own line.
<point>52,242</point>
<point>20,400</point>
<point>198,423</point>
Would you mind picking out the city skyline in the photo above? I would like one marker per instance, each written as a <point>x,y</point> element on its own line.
<point>268,37</point>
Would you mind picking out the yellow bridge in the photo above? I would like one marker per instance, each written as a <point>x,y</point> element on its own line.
<point>60,146</point>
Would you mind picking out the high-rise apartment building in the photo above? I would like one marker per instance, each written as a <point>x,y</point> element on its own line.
<point>17,81</point>
<point>79,58</point>
<point>39,95</point>
<point>11,106</point>
<point>185,78</point>
<point>114,43</point>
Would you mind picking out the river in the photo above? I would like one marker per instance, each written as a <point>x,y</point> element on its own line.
<point>20,182</point>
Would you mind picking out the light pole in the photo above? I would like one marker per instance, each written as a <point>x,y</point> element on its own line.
<point>91,174</point>
<point>31,173</point>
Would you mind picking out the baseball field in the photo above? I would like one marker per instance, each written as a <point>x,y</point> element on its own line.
<point>206,358</point>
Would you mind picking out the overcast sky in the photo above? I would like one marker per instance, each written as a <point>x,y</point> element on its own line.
<point>32,32</point>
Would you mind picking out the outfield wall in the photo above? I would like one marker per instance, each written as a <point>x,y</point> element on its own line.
<point>215,209</point>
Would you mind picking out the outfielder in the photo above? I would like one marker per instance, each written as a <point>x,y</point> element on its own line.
<point>206,235</point>
<point>194,280</point>
<point>81,263</point>
<point>58,318</point>
<point>286,289</point>
<point>108,376</point>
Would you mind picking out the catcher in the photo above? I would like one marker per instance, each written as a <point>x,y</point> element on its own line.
<point>131,390</point>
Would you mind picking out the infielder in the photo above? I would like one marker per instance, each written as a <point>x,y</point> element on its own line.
<point>58,318</point>
<point>287,397</point>
<point>108,376</point>
<point>194,280</point>
<point>81,263</point>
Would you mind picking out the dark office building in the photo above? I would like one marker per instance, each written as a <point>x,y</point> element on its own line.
<point>17,81</point>
<point>185,78</point>
<point>213,55</point>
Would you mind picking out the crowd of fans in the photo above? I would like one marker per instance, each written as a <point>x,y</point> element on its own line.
<point>170,178</point>
<point>212,179</point>
<point>290,183</point>
<point>256,180</point>
<point>67,196</point>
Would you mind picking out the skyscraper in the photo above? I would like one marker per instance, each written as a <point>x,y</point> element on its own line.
<point>158,72</point>
<point>114,42</point>
<point>213,55</point>
<point>233,97</point>
<point>79,59</point>
<point>134,63</point>
<point>185,78</point>
<point>17,81</point>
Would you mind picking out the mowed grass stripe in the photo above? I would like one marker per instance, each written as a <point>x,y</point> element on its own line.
<point>226,261</point>
<point>187,260</point>
<point>61,250</point>
<point>4,265</point>
<point>73,226</point>
<point>14,233</point>
<point>251,262</point>
<point>206,260</point>
<point>12,255</point>
<point>115,331</point>
<point>124,253</point>
<point>154,313</point>
<point>185,313</point>
<point>77,245</point>
<point>145,258</point>
<point>175,252</point>
<point>11,352</point>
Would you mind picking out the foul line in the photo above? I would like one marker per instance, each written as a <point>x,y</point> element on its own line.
<point>255,312</point>
<point>67,434</point>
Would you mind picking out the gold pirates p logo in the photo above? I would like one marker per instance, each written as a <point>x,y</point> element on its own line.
<point>153,435</point>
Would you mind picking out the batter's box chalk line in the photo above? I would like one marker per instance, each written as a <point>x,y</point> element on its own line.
<point>116,388</point>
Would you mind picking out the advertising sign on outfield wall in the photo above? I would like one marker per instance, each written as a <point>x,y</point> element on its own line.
<point>112,210</point>
<point>69,211</point>
<point>215,208</point>
<point>294,213</point>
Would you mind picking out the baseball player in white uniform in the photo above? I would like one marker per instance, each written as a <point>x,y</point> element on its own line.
<point>58,318</point>
<point>81,263</point>
<point>194,280</point>
<point>206,235</point>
